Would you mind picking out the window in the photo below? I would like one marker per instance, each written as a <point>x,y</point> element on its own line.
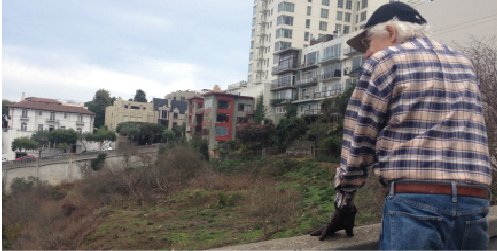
<point>251,47</point>
<point>253,22</point>
<point>322,25</point>
<point>241,107</point>
<point>307,23</point>
<point>339,15</point>
<point>125,107</point>
<point>285,33</point>
<point>80,117</point>
<point>249,79</point>
<point>223,104</point>
<point>285,6</point>
<point>24,126</point>
<point>279,46</point>
<point>79,131</point>
<point>63,127</point>
<point>306,36</point>
<point>39,112</point>
<point>24,113</point>
<point>65,115</point>
<point>254,10</point>
<point>340,3</point>
<point>326,2</point>
<point>269,37</point>
<point>346,29</point>
<point>275,59</point>
<point>40,127</point>
<point>222,117</point>
<point>222,131</point>
<point>347,17</point>
<point>348,5</point>
<point>338,27</point>
<point>308,10</point>
<point>285,20</point>
<point>364,4</point>
<point>175,116</point>
<point>253,33</point>
<point>280,109</point>
<point>250,68</point>
<point>240,120</point>
<point>248,108</point>
<point>52,116</point>
<point>358,6</point>
<point>251,56</point>
<point>51,128</point>
<point>311,58</point>
<point>357,18</point>
<point>325,13</point>
<point>208,103</point>
<point>182,98</point>
<point>363,16</point>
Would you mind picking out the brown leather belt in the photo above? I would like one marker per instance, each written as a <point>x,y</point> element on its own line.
<point>465,191</point>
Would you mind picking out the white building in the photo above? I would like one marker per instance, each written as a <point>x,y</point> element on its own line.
<point>35,114</point>
<point>282,25</point>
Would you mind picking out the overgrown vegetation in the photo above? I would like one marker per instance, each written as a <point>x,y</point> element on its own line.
<point>180,201</point>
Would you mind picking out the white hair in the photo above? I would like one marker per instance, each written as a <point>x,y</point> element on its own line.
<point>405,30</point>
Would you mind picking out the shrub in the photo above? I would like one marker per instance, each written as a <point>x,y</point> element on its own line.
<point>97,163</point>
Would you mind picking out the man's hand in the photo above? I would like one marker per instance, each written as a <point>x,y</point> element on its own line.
<point>341,219</point>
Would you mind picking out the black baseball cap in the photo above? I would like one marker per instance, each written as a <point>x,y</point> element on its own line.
<point>387,12</point>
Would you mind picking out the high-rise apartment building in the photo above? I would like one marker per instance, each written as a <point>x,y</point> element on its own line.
<point>279,25</point>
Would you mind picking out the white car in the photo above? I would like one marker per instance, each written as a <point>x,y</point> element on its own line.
<point>5,160</point>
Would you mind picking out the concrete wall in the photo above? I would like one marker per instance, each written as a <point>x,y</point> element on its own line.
<point>54,171</point>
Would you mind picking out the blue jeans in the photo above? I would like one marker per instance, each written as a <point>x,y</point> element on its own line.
<point>413,221</point>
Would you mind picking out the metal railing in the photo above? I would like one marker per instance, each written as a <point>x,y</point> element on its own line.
<point>327,94</point>
<point>52,120</point>
<point>312,112</point>
<point>279,84</point>
<point>329,57</point>
<point>80,123</point>
<point>312,80</point>
<point>353,71</point>
<point>331,74</point>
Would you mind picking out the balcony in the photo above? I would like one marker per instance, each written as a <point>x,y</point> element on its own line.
<point>281,101</point>
<point>328,58</point>
<point>352,72</point>
<point>80,123</point>
<point>237,85</point>
<point>306,81</point>
<point>327,94</point>
<point>281,85</point>
<point>24,118</point>
<point>350,52</point>
<point>284,68</point>
<point>289,49</point>
<point>333,75</point>
<point>52,121</point>
<point>313,112</point>
<point>309,65</point>
<point>199,110</point>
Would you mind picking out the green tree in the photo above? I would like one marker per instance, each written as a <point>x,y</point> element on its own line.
<point>24,143</point>
<point>290,129</point>
<point>100,101</point>
<point>63,146</point>
<point>253,136</point>
<point>291,111</point>
<point>141,132</point>
<point>58,136</point>
<point>168,135</point>
<point>140,96</point>
<point>259,110</point>
<point>42,138</point>
<point>101,136</point>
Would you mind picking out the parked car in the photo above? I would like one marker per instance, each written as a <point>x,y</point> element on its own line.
<point>26,157</point>
<point>5,160</point>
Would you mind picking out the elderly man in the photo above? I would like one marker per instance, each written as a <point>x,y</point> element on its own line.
<point>416,118</point>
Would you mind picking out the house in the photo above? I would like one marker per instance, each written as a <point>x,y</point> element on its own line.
<point>215,115</point>
<point>37,114</point>
<point>169,112</point>
<point>126,111</point>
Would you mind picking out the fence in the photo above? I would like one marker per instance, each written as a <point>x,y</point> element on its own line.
<point>275,150</point>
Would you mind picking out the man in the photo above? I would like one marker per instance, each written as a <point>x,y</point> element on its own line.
<point>415,117</point>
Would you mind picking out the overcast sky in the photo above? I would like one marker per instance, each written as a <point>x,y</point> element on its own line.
<point>68,49</point>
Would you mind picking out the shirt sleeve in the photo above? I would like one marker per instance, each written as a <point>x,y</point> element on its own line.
<point>365,117</point>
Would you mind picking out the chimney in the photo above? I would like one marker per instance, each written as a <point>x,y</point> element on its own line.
<point>23,97</point>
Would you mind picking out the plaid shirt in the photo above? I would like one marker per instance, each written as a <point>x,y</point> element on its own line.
<point>416,113</point>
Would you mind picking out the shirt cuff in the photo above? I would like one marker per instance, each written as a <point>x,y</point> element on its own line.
<point>345,200</point>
